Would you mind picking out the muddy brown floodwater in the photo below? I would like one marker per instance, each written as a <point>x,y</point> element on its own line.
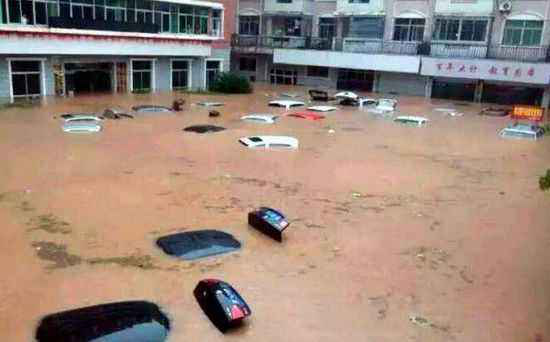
<point>398,233</point>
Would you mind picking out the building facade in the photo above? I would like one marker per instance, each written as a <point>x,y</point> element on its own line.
<point>474,50</point>
<point>62,47</point>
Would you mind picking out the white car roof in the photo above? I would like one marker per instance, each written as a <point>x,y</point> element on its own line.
<point>271,139</point>
<point>76,127</point>
<point>348,94</point>
<point>210,104</point>
<point>286,103</point>
<point>264,117</point>
<point>418,119</point>
<point>322,108</point>
<point>83,117</point>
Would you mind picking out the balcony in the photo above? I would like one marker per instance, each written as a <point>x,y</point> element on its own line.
<point>266,44</point>
<point>102,25</point>
<point>512,53</point>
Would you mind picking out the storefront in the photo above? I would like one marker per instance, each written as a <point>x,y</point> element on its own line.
<point>491,81</point>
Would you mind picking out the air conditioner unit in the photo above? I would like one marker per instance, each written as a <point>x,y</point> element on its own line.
<point>505,6</point>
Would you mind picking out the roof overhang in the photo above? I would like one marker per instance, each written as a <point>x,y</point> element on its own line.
<point>215,5</point>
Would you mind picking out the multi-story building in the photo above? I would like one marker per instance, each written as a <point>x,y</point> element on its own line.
<point>474,50</point>
<point>59,47</point>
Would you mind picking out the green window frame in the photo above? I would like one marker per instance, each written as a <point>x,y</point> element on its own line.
<point>523,32</point>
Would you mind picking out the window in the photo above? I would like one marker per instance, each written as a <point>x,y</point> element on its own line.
<point>249,25</point>
<point>358,1</point>
<point>212,70</point>
<point>367,27</point>
<point>284,1</point>
<point>180,75</point>
<point>283,76</point>
<point>141,76</point>
<point>216,23</point>
<point>470,30</point>
<point>43,9</point>
<point>247,64</point>
<point>522,32</point>
<point>26,78</point>
<point>409,30</point>
<point>82,9</point>
<point>144,12</point>
<point>293,27</point>
<point>327,27</point>
<point>315,71</point>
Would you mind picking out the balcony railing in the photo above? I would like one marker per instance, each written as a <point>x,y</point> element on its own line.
<point>370,46</point>
<point>515,53</point>
<point>102,25</point>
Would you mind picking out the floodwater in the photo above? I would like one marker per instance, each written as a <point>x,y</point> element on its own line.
<point>397,233</point>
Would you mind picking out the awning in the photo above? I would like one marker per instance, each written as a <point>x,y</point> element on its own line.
<point>411,15</point>
<point>201,3</point>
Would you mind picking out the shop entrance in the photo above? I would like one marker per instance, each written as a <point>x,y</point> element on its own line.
<point>360,80</point>
<point>453,90</point>
<point>81,78</point>
<point>511,94</point>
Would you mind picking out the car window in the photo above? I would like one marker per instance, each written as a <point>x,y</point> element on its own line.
<point>279,145</point>
<point>255,139</point>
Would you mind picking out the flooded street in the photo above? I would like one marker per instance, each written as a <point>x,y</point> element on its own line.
<point>397,233</point>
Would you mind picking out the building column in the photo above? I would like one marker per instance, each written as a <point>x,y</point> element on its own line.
<point>478,93</point>
<point>269,26</point>
<point>375,82</point>
<point>545,99</point>
<point>429,87</point>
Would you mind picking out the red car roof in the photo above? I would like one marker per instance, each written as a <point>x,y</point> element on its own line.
<point>307,115</point>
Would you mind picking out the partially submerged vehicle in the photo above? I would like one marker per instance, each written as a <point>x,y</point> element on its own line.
<point>386,104</point>
<point>136,321</point>
<point>322,108</point>
<point>307,116</point>
<point>411,120</point>
<point>320,95</point>
<point>83,118</point>
<point>270,141</point>
<point>346,95</point>
<point>151,109</point>
<point>291,95</point>
<point>198,244</point>
<point>81,126</point>
<point>494,111</point>
<point>116,113</point>
<point>522,131</point>
<point>210,104</point>
<point>260,118</point>
<point>221,303</point>
<point>286,103</point>
<point>269,221</point>
<point>74,115</point>
<point>204,129</point>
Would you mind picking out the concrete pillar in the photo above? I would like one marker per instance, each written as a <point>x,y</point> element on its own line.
<point>268,26</point>
<point>478,93</point>
<point>429,87</point>
<point>375,82</point>
<point>339,28</point>
<point>545,99</point>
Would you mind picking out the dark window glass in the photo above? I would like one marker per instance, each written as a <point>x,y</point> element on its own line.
<point>25,66</point>
<point>366,27</point>
<point>27,10</point>
<point>41,13</point>
<point>141,65</point>
<point>249,25</point>
<point>212,64</point>
<point>15,11</point>
<point>166,22</point>
<point>179,65</point>
<point>33,84</point>
<point>19,84</point>
<point>100,13</point>
<point>247,64</point>
<point>315,71</point>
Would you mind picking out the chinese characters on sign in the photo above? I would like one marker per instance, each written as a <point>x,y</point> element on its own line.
<point>527,113</point>
<point>473,69</point>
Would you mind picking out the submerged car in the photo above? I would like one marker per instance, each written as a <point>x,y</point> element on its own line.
<point>81,126</point>
<point>198,244</point>
<point>386,105</point>
<point>221,303</point>
<point>346,95</point>
<point>210,104</point>
<point>269,221</point>
<point>411,120</point>
<point>84,118</point>
<point>270,141</point>
<point>307,116</point>
<point>135,321</point>
<point>151,109</point>
<point>522,131</point>
<point>260,118</point>
<point>322,108</point>
<point>286,103</point>
<point>204,129</point>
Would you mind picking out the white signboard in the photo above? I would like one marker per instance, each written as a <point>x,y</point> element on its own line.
<point>486,69</point>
